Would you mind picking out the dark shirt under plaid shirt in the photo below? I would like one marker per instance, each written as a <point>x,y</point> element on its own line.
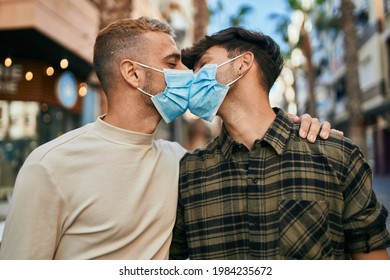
<point>284,199</point>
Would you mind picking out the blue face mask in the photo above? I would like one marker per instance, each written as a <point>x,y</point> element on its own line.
<point>173,101</point>
<point>206,94</point>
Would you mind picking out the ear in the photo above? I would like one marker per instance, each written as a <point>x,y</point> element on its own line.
<point>247,61</point>
<point>130,72</point>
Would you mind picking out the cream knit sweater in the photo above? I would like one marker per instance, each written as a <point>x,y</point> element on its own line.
<point>97,192</point>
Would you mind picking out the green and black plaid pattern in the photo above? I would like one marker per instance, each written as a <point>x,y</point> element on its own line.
<point>284,199</point>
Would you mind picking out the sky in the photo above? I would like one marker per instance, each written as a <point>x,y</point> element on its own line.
<point>258,19</point>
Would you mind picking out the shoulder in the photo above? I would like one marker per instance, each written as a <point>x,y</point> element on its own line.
<point>42,151</point>
<point>336,148</point>
<point>211,151</point>
<point>170,147</point>
<point>334,141</point>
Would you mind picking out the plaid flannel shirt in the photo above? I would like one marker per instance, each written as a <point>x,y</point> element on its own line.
<point>284,199</point>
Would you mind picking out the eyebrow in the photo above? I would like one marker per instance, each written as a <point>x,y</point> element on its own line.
<point>173,55</point>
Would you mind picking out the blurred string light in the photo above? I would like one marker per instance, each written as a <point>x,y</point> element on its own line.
<point>308,25</point>
<point>292,108</point>
<point>282,93</point>
<point>8,62</point>
<point>83,90</point>
<point>64,63</point>
<point>29,76</point>
<point>288,76</point>
<point>290,94</point>
<point>50,71</point>
<point>297,58</point>
<point>276,93</point>
<point>294,29</point>
<point>307,4</point>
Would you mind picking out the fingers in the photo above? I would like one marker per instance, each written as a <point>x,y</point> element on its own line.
<point>294,118</point>
<point>338,132</point>
<point>325,130</point>
<point>306,123</point>
<point>315,128</point>
<point>311,128</point>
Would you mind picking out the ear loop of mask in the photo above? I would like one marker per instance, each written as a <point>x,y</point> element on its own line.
<point>150,67</point>
<point>141,90</point>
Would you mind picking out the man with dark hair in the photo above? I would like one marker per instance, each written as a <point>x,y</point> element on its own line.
<point>259,191</point>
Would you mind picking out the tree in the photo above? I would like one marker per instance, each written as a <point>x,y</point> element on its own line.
<point>237,19</point>
<point>312,15</point>
<point>303,43</point>
<point>113,10</point>
<point>354,95</point>
<point>201,19</point>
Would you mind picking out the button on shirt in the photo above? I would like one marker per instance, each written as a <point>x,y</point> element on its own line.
<point>283,199</point>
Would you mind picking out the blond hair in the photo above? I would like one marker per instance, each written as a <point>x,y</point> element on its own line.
<point>120,40</point>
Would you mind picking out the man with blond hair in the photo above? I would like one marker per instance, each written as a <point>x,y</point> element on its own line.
<point>109,190</point>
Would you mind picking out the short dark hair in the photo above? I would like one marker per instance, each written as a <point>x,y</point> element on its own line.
<point>119,40</point>
<point>237,40</point>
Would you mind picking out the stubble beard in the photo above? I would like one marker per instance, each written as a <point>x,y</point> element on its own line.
<point>149,88</point>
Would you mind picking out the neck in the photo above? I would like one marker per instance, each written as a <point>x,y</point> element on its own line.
<point>247,119</point>
<point>125,114</point>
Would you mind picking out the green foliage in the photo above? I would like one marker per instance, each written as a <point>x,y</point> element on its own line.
<point>322,21</point>
<point>218,9</point>
<point>325,22</point>
<point>239,18</point>
<point>234,20</point>
<point>297,5</point>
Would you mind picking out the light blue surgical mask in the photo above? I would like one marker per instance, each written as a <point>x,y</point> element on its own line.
<point>173,101</point>
<point>206,94</point>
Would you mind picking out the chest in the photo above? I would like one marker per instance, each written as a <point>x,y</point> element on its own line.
<point>261,180</point>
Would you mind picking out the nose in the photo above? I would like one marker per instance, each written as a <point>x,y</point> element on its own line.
<point>181,66</point>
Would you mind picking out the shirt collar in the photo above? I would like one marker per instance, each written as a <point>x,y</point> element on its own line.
<point>279,132</point>
<point>119,135</point>
<point>276,136</point>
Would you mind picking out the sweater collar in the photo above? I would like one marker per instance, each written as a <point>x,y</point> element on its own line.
<point>121,136</point>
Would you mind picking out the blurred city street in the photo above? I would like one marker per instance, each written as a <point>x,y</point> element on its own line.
<point>382,190</point>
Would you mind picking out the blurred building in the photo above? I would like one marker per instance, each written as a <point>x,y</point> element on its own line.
<point>45,54</point>
<point>47,82</point>
<point>373,26</point>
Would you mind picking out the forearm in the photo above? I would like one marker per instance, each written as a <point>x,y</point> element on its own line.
<point>373,255</point>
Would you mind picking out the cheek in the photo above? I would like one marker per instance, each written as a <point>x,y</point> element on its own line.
<point>155,84</point>
<point>224,77</point>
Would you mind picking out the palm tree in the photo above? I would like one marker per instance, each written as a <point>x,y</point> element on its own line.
<point>323,22</point>
<point>200,19</point>
<point>356,121</point>
<point>239,18</point>
<point>304,43</point>
<point>235,19</point>
<point>113,10</point>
